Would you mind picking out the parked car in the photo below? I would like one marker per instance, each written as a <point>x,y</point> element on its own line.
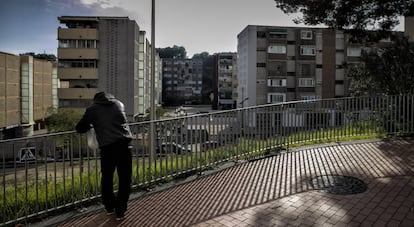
<point>211,144</point>
<point>171,147</point>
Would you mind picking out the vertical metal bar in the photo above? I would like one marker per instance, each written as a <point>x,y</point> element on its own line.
<point>410,113</point>
<point>211,132</point>
<point>4,184</point>
<point>164,129</point>
<point>179,125</point>
<point>394,112</point>
<point>152,106</point>
<point>248,127</point>
<point>46,181</point>
<point>55,176</point>
<point>26,187</point>
<point>208,137</point>
<point>15,182</point>
<point>72,162</point>
<point>96,172</point>
<point>332,119</point>
<point>63,167</point>
<point>37,182</point>
<point>404,114</point>
<point>146,160</point>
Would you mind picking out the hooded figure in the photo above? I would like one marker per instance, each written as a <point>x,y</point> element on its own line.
<point>107,116</point>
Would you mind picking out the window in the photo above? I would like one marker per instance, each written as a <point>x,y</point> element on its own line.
<point>72,43</point>
<point>276,97</point>
<point>307,50</point>
<point>261,81</point>
<point>78,64</point>
<point>63,43</point>
<point>353,51</point>
<point>306,82</point>
<point>276,82</point>
<point>278,34</point>
<point>261,34</point>
<point>307,97</point>
<point>276,49</point>
<point>305,70</point>
<point>306,35</point>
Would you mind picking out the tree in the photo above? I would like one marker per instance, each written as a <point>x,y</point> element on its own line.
<point>62,119</point>
<point>49,57</point>
<point>176,52</point>
<point>388,70</point>
<point>354,15</point>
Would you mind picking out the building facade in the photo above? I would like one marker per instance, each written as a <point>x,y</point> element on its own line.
<point>103,54</point>
<point>182,81</point>
<point>28,92</point>
<point>279,64</point>
<point>225,77</point>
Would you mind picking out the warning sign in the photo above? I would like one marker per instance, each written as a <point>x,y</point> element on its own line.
<point>27,154</point>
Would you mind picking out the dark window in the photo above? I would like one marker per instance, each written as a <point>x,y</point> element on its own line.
<point>261,34</point>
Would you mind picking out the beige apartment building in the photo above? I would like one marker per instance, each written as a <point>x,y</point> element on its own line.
<point>28,90</point>
<point>108,54</point>
<point>279,64</point>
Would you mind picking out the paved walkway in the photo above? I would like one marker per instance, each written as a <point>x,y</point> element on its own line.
<point>278,191</point>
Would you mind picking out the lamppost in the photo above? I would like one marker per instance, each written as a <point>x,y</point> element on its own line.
<point>243,111</point>
<point>152,109</point>
<point>242,102</point>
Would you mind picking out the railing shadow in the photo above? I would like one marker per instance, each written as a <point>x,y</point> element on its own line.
<point>266,180</point>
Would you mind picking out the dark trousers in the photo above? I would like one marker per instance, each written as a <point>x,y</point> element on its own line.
<point>116,156</point>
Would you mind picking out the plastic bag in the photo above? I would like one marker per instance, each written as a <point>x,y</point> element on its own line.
<point>92,141</point>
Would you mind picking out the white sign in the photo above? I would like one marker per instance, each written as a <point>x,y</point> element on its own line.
<point>27,154</point>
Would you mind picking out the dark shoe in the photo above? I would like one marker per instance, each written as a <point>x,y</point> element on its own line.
<point>120,217</point>
<point>109,212</point>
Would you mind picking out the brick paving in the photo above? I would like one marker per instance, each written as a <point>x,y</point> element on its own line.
<point>277,191</point>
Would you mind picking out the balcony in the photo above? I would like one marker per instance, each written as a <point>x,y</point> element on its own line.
<point>76,93</point>
<point>78,33</point>
<point>320,162</point>
<point>78,73</point>
<point>77,53</point>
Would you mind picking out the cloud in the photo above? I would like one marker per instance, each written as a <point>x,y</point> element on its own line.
<point>138,10</point>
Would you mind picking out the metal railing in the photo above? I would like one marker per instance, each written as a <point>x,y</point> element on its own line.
<point>47,173</point>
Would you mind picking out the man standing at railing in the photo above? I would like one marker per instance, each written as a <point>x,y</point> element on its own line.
<point>107,116</point>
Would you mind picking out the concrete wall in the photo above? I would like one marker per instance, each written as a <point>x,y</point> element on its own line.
<point>118,52</point>
<point>10,109</point>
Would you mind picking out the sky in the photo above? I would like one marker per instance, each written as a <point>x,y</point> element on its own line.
<point>197,25</point>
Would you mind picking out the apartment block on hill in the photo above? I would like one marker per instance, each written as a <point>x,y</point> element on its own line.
<point>225,81</point>
<point>279,64</point>
<point>182,81</point>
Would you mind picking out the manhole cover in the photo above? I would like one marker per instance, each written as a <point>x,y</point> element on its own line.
<point>337,184</point>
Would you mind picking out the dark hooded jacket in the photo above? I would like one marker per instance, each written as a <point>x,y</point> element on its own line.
<point>107,116</point>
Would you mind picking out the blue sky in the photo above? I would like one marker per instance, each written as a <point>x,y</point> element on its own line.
<point>198,25</point>
<point>31,25</point>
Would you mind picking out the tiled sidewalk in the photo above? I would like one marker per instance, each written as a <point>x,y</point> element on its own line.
<point>277,191</point>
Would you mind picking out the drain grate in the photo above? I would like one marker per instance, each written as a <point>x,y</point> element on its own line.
<point>338,184</point>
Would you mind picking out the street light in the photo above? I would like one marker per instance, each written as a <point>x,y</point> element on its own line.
<point>152,109</point>
<point>242,102</point>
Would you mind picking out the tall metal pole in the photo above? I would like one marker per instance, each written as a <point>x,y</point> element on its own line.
<point>153,96</point>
